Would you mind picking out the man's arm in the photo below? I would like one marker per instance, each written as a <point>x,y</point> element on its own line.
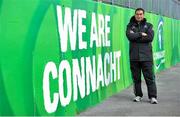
<point>149,37</point>
<point>132,36</point>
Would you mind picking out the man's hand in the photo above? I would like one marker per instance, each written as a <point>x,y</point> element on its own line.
<point>131,31</point>
<point>143,34</point>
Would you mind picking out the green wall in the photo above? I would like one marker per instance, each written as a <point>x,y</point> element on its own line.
<point>39,75</point>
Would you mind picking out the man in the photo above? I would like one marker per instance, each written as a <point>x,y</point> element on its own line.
<point>140,35</point>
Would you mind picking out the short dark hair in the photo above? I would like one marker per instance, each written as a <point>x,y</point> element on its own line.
<point>139,9</point>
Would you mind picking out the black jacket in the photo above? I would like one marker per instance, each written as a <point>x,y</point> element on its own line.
<point>140,46</point>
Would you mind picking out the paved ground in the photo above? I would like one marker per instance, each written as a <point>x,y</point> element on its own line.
<point>168,85</point>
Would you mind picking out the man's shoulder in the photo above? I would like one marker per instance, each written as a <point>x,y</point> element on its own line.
<point>130,24</point>
<point>149,24</point>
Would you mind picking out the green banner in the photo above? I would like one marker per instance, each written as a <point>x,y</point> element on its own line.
<point>59,57</point>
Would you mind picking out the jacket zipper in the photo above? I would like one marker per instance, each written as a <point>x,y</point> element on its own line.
<point>138,43</point>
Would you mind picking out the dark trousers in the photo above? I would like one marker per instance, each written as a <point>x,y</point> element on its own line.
<point>147,69</point>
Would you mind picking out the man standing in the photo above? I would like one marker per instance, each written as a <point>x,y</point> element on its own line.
<point>140,35</point>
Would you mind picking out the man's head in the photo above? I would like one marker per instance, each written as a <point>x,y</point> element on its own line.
<point>139,14</point>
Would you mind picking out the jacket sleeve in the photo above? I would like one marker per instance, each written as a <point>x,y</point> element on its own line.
<point>132,36</point>
<point>149,37</point>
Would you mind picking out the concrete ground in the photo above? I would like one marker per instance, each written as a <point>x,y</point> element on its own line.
<point>168,86</point>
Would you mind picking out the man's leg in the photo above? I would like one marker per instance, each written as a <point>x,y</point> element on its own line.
<point>148,72</point>
<point>136,75</point>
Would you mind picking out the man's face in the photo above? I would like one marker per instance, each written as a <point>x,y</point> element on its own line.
<point>139,15</point>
